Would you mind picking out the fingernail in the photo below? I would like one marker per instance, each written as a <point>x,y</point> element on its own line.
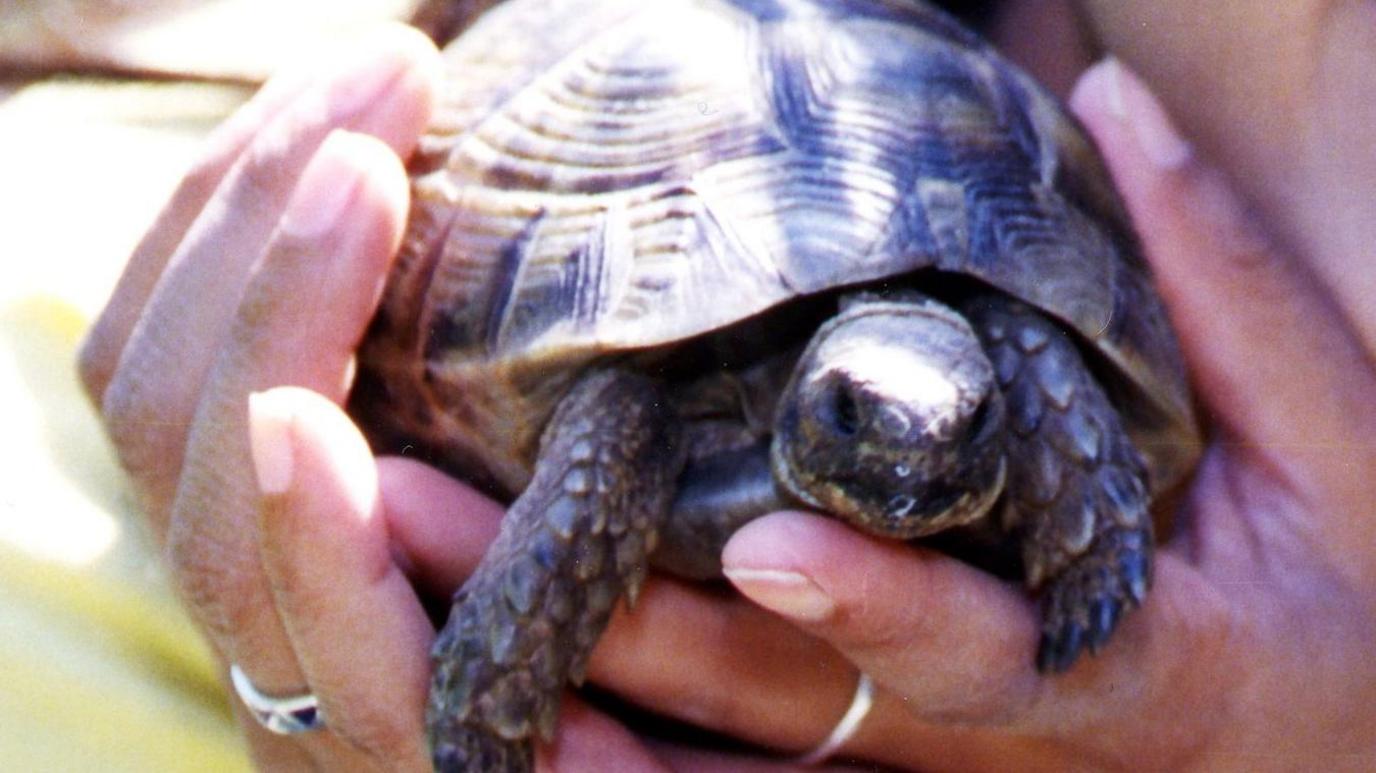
<point>788,593</point>
<point>269,431</point>
<point>363,81</point>
<point>1112,73</point>
<point>325,189</point>
<point>1130,101</point>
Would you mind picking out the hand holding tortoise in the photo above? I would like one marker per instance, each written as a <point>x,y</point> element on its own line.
<point>927,314</point>
<point>973,633</point>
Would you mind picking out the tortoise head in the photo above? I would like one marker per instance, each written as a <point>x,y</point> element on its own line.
<point>893,420</point>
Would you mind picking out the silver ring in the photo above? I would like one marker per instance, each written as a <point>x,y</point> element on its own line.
<point>845,730</point>
<point>287,715</point>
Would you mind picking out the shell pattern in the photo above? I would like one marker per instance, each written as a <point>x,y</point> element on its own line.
<point>608,177</point>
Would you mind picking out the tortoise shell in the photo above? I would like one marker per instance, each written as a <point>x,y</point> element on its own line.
<point>609,177</point>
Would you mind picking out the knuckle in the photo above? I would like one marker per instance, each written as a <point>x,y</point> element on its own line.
<point>144,436</point>
<point>872,630</point>
<point>268,169</point>
<point>132,427</point>
<point>259,172</point>
<point>882,627</point>
<point>381,740</point>
<point>257,320</point>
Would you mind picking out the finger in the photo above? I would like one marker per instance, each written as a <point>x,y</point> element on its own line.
<point>268,750</point>
<point>193,306</point>
<point>725,665</point>
<point>301,319</point>
<point>957,647</point>
<point>1274,362</point>
<point>589,740</point>
<point>356,626</point>
<point>440,527</point>
<point>954,641</point>
<point>105,340</point>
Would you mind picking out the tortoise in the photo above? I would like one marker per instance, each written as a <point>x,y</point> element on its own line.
<point>674,265</point>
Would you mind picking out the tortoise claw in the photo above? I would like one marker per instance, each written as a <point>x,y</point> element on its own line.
<point>1063,647</point>
<point>1134,570</point>
<point>1103,618</point>
<point>1083,605</point>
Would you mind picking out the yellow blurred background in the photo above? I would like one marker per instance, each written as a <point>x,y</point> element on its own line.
<point>102,106</point>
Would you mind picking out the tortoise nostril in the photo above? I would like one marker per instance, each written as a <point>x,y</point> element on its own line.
<point>982,419</point>
<point>840,411</point>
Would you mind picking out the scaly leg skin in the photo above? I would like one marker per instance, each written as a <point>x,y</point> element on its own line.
<point>1077,488</point>
<point>524,624</point>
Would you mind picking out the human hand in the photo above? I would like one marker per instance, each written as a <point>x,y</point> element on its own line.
<point>296,205</point>
<point>764,664</point>
<point>1253,650</point>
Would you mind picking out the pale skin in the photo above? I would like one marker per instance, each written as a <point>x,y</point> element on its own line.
<point>1252,652</point>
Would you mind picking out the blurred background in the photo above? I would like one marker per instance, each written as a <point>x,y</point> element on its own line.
<point>102,106</point>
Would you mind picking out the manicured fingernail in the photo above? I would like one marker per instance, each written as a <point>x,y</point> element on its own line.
<point>788,593</point>
<point>325,188</point>
<point>1130,101</point>
<point>269,431</point>
<point>1112,73</point>
<point>361,82</point>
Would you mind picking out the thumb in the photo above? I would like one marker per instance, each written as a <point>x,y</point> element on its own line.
<point>357,629</point>
<point>950,640</point>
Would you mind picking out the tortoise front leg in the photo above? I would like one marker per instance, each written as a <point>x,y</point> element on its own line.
<point>523,625</point>
<point>1077,487</point>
